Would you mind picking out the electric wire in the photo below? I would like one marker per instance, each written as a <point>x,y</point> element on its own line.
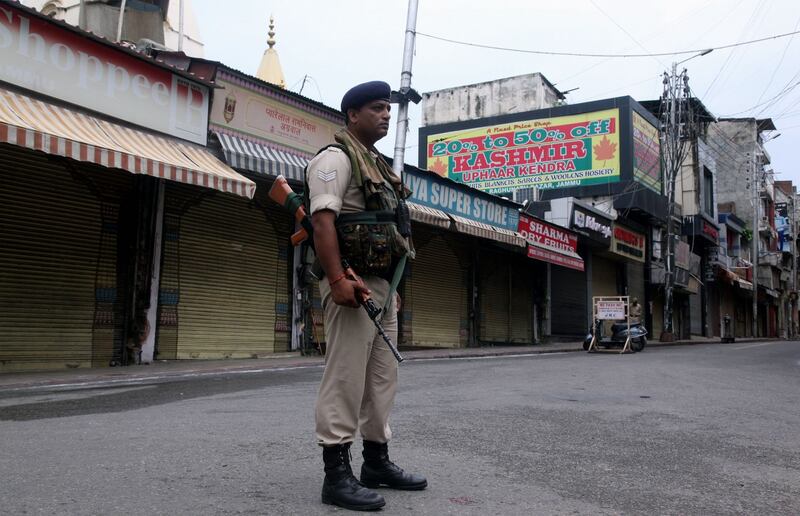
<point>668,24</point>
<point>586,54</point>
<point>747,26</point>
<point>780,62</point>
<point>656,59</point>
<point>786,89</point>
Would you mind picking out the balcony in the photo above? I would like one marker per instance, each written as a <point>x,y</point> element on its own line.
<point>771,259</point>
<point>765,278</point>
<point>765,228</point>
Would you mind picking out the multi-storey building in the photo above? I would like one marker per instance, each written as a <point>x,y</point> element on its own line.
<point>746,183</point>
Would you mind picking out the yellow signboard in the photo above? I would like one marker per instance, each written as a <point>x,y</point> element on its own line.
<point>264,118</point>
<point>560,152</point>
<point>646,153</point>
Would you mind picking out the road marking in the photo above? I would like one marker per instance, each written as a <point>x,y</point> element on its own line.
<point>758,345</point>
<point>489,357</point>
<point>156,378</point>
<point>91,384</point>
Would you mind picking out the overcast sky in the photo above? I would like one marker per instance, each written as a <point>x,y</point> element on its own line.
<point>340,43</point>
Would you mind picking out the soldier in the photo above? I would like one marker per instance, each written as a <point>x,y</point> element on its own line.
<point>358,214</point>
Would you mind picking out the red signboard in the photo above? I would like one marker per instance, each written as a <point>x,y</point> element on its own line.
<point>710,231</point>
<point>550,243</point>
<point>628,243</point>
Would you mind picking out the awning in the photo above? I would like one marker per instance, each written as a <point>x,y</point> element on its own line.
<point>744,284</point>
<point>56,130</point>
<point>430,216</point>
<point>555,256</point>
<point>481,230</point>
<point>247,155</point>
<point>771,292</point>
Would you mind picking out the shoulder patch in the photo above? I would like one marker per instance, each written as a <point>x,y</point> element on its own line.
<point>326,176</point>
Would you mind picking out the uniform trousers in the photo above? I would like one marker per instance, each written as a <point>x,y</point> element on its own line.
<point>360,378</point>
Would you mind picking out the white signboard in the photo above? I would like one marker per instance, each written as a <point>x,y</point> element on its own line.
<point>610,310</point>
<point>54,61</point>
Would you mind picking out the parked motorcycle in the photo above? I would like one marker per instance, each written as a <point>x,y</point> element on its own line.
<point>619,334</point>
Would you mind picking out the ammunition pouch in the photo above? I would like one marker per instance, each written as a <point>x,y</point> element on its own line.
<point>370,241</point>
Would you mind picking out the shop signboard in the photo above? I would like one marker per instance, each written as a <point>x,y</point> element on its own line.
<point>546,153</point>
<point>591,224</point>
<point>550,243</point>
<point>51,60</point>
<point>697,225</point>
<point>450,197</point>
<point>646,153</point>
<point>628,243</point>
<point>710,231</point>
<point>252,112</point>
<point>613,310</point>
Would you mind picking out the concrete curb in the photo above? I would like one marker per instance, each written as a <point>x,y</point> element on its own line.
<point>194,368</point>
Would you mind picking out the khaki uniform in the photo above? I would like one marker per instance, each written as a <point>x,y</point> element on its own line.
<point>360,379</point>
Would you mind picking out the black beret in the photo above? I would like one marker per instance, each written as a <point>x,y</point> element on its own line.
<point>359,95</point>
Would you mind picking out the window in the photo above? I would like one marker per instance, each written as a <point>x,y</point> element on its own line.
<point>708,192</point>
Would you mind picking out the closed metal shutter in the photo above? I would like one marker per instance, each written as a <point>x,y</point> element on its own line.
<point>695,314</point>
<point>59,301</point>
<point>522,292</point>
<point>494,297</point>
<point>636,281</point>
<point>568,298</point>
<point>232,298</point>
<point>434,312</point>
<point>604,276</point>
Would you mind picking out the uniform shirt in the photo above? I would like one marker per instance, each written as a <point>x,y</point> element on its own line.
<point>331,185</point>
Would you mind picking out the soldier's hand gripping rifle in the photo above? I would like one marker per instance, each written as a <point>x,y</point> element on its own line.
<point>282,193</point>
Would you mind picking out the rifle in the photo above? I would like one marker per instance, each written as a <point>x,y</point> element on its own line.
<point>282,193</point>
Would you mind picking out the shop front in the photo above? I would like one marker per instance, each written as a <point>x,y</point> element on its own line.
<point>83,186</point>
<point>469,283</point>
<point>703,233</point>
<point>240,290</point>
<point>558,248</point>
<point>594,229</point>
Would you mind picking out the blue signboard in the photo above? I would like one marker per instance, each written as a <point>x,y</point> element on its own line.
<point>450,197</point>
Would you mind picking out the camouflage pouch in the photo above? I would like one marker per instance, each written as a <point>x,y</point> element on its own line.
<point>366,247</point>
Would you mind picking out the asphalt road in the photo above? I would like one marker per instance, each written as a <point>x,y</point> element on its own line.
<point>704,429</point>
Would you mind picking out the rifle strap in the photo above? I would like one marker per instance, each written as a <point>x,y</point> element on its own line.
<point>398,274</point>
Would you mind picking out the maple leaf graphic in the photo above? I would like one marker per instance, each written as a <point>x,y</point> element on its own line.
<point>605,150</point>
<point>439,167</point>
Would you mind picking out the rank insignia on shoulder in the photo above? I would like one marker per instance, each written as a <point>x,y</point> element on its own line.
<point>328,176</point>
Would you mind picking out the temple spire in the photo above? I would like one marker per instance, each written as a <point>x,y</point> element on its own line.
<point>270,68</point>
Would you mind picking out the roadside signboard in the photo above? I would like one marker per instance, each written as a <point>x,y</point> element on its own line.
<point>611,310</point>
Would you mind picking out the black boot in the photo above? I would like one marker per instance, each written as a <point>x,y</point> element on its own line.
<point>341,487</point>
<point>378,470</point>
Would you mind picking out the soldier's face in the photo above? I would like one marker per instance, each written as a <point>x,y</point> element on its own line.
<point>372,120</point>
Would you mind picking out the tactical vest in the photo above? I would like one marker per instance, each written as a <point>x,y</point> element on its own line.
<point>375,240</point>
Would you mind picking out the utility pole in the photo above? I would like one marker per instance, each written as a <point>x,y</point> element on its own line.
<point>754,242</point>
<point>180,26</point>
<point>120,20</point>
<point>676,122</point>
<point>406,93</point>
<point>677,128</point>
<point>793,236</point>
